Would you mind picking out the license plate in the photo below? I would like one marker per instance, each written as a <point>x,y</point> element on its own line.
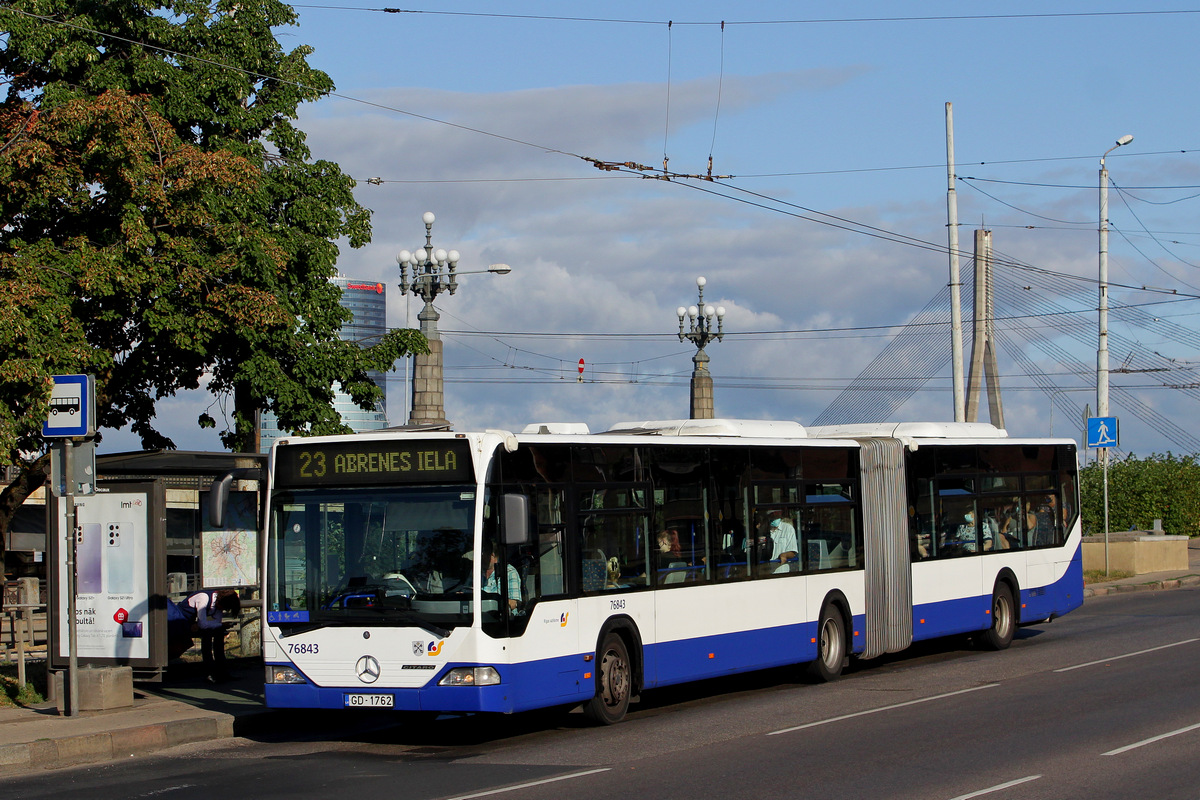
<point>369,700</point>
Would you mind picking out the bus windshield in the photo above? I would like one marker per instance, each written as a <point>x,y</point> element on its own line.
<point>377,556</point>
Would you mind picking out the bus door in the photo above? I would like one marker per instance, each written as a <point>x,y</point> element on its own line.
<point>615,567</point>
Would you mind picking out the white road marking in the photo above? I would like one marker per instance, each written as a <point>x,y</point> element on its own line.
<point>490,792</point>
<point>1126,655</point>
<point>1151,740</point>
<point>166,789</point>
<point>998,787</point>
<point>882,708</point>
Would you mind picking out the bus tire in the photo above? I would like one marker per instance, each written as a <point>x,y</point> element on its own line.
<point>614,682</point>
<point>831,645</point>
<point>1004,619</point>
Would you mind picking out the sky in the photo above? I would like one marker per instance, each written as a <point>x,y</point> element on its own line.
<point>829,233</point>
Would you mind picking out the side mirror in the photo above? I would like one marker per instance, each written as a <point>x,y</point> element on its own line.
<point>515,525</point>
<point>218,494</point>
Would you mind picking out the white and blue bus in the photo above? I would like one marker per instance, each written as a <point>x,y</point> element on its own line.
<point>499,572</point>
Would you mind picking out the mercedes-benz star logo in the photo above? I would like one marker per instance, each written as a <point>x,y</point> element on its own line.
<point>367,669</point>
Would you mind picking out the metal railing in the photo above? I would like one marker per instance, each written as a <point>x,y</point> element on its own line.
<point>22,632</point>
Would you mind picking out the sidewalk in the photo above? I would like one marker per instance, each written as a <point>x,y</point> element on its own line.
<point>185,708</point>
<point>1149,581</point>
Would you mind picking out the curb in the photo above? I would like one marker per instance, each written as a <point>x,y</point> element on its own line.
<point>44,755</point>
<point>70,751</point>
<point>1102,590</point>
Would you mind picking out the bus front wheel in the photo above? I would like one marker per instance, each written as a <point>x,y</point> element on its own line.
<point>831,646</point>
<point>1004,619</point>
<point>613,682</point>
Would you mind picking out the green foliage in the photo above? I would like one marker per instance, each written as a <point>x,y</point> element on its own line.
<point>1140,490</point>
<point>162,266</point>
<point>164,220</point>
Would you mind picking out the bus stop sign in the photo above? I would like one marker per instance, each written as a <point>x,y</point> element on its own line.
<point>72,407</point>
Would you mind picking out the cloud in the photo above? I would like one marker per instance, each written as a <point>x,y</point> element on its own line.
<point>602,259</point>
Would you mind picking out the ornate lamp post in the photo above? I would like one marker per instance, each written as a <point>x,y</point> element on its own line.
<point>433,272</point>
<point>700,332</point>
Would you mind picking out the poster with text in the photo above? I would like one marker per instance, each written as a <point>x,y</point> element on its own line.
<point>112,607</point>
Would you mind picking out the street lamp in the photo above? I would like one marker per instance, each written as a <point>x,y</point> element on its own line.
<point>433,271</point>
<point>700,332</point>
<point>1102,349</point>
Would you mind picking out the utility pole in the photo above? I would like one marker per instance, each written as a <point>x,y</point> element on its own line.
<point>1102,347</point>
<point>956,344</point>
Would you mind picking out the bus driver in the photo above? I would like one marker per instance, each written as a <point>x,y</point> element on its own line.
<point>491,581</point>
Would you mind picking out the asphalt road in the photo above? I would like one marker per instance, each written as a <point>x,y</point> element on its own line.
<point>1104,703</point>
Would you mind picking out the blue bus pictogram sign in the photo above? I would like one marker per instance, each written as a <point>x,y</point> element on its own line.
<point>72,407</point>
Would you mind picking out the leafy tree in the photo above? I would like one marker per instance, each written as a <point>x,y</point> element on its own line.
<point>165,221</point>
<point>1141,490</point>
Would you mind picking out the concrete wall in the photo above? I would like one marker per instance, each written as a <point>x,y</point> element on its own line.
<point>1136,553</point>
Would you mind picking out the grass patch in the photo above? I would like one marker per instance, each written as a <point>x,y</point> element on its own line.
<point>32,693</point>
<point>1098,576</point>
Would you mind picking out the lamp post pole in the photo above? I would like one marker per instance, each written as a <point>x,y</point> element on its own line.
<point>700,332</point>
<point>1102,348</point>
<point>433,272</point>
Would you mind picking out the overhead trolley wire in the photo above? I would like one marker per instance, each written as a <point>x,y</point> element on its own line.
<point>789,21</point>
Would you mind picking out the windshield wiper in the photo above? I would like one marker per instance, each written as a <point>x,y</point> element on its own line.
<point>404,615</point>
<point>426,625</point>
<point>394,617</point>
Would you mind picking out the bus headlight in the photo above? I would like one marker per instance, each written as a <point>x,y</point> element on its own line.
<point>281,674</point>
<point>471,676</point>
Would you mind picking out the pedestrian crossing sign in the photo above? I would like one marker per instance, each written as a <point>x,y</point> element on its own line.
<point>1103,432</point>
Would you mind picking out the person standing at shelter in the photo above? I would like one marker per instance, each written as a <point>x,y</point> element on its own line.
<point>210,610</point>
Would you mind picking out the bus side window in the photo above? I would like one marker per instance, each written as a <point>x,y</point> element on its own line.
<point>1042,519</point>
<point>549,578</point>
<point>542,567</point>
<point>614,552</point>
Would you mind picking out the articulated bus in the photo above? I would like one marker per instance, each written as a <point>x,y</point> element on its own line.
<point>497,572</point>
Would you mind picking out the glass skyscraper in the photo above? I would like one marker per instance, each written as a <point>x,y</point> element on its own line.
<point>367,301</point>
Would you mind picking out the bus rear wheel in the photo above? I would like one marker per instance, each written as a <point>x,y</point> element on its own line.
<point>613,682</point>
<point>831,646</point>
<point>1004,619</point>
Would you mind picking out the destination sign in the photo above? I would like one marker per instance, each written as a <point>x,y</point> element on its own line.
<point>373,463</point>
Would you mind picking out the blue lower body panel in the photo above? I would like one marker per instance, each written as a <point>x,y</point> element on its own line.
<point>1036,604</point>
<point>713,656</point>
<point>1065,594</point>
<point>541,683</point>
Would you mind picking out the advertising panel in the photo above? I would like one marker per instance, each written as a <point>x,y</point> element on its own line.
<point>119,599</point>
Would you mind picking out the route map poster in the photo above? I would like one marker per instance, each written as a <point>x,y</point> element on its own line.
<point>229,555</point>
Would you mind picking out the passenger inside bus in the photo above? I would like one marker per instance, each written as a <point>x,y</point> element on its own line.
<point>491,578</point>
<point>1040,516</point>
<point>989,531</point>
<point>959,534</point>
<point>668,547</point>
<point>783,545</point>
<point>1009,525</point>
